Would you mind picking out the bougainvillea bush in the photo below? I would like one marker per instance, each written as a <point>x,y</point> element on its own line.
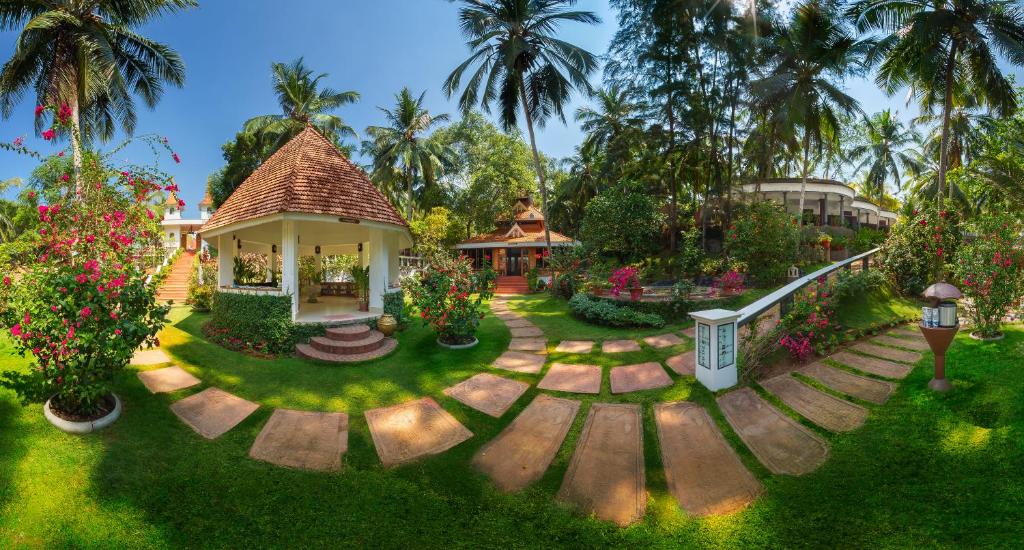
<point>624,278</point>
<point>810,326</point>
<point>990,273</point>
<point>449,296</point>
<point>918,248</point>
<point>82,306</point>
<point>767,239</point>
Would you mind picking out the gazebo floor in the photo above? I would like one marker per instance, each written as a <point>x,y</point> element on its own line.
<point>336,310</point>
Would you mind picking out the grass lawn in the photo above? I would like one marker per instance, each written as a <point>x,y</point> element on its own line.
<point>926,469</point>
<point>881,304</point>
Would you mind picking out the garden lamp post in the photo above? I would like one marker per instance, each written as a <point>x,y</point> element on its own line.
<point>943,296</point>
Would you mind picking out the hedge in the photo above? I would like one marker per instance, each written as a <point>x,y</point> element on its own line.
<point>261,321</point>
<point>673,310</point>
<point>603,312</point>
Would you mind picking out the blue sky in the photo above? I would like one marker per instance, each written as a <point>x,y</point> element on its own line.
<point>373,47</point>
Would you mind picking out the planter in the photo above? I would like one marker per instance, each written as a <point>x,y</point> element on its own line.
<point>597,291</point>
<point>84,427</point>
<point>635,293</point>
<point>364,306</point>
<point>995,338</point>
<point>458,346</point>
<point>387,324</point>
<point>314,293</point>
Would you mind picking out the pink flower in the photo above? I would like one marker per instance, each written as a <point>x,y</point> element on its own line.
<point>39,110</point>
<point>65,177</point>
<point>117,331</point>
<point>149,213</point>
<point>60,154</point>
<point>65,113</point>
<point>16,330</point>
<point>19,141</point>
<point>176,158</point>
<point>7,281</point>
<point>49,134</point>
<point>86,312</point>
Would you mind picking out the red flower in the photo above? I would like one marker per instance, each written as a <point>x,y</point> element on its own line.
<point>7,281</point>
<point>86,312</point>
<point>65,177</point>
<point>176,157</point>
<point>39,110</point>
<point>49,134</point>
<point>18,141</point>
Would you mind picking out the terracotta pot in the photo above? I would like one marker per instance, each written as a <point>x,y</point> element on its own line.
<point>364,306</point>
<point>387,324</point>
<point>597,291</point>
<point>636,292</point>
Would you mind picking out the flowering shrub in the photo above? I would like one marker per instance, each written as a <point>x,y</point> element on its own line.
<point>567,271</point>
<point>810,325</point>
<point>767,239</point>
<point>82,307</point>
<point>450,296</point>
<point>916,245</point>
<point>624,278</point>
<point>991,272</point>
<point>799,346</point>
<point>731,283</point>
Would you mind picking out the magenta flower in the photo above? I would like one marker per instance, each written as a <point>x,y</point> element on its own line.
<point>49,134</point>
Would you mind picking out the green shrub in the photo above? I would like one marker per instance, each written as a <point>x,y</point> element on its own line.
<point>865,239</point>
<point>603,312</point>
<point>767,239</point>
<point>623,223</point>
<point>989,271</point>
<point>394,304</point>
<point>917,247</point>
<point>254,322</point>
<point>531,279</point>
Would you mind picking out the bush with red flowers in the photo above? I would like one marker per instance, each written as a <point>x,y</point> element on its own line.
<point>990,272</point>
<point>449,296</point>
<point>917,247</point>
<point>624,278</point>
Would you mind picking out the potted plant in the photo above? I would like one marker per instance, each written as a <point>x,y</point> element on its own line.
<point>837,250</point>
<point>449,296</point>
<point>626,278</point>
<point>361,281</point>
<point>309,278</point>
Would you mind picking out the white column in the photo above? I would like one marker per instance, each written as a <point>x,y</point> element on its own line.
<point>225,261</point>
<point>362,253</point>
<point>378,269</point>
<point>715,363</point>
<point>290,264</point>
<point>392,253</point>
<point>271,263</point>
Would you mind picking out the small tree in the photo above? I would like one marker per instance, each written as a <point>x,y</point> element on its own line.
<point>990,271</point>
<point>623,223</point>
<point>916,244</point>
<point>449,296</point>
<point>766,238</point>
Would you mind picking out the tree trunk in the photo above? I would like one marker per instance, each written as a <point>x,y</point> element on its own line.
<point>536,160</point>
<point>947,106</point>
<point>410,174</point>
<point>803,180</point>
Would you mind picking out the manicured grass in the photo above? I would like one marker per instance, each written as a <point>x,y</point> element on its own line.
<point>926,469</point>
<point>879,305</point>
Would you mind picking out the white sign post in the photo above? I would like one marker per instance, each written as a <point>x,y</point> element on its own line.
<point>716,349</point>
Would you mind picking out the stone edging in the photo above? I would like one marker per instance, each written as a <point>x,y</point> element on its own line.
<point>83,427</point>
<point>458,346</point>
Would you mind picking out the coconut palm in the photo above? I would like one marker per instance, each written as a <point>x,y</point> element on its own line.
<point>968,127</point>
<point>520,63</point>
<point>884,151</point>
<point>88,55</point>
<point>606,126</point>
<point>942,48</point>
<point>404,145</point>
<point>302,102</point>
<point>800,92</point>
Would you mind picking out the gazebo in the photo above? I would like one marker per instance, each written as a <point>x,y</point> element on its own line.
<point>308,199</point>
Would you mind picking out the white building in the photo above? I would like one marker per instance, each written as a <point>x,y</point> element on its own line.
<point>181,232</point>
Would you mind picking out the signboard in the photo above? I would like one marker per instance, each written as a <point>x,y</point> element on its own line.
<point>704,345</point>
<point>726,345</point>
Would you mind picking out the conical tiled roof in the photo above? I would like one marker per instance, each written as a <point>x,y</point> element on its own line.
<point>307,175</point>
<point>207,199</point>
<point>171,200</point>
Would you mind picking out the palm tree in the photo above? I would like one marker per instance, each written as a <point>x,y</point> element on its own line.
<point>799,91</point>
<point>88,55</point>
<point>936,47</point>
<point>302,102</point>
<point>404,145</point>
<point>520,63</point>
<point>968,128</point>
<point>614,117</point>
<point>883,151</point>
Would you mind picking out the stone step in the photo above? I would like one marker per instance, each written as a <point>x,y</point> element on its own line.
<point>872,365</point>
<point>347,347</point>
<point>891,354</point>
<point>825,410</point>
<point>907,332</point>
<point>861,387</point>
<point>782,444</point>
<point>606,474</point>
<point>309,352</point>
<point>703,472</point>
<point>348,333</point>
<point>522,452</point>
<point>916,344</point>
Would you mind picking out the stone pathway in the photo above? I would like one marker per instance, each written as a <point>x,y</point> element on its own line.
<point>872,365</point>
<point>487,393</point>
<point>303,439</point>
<point>825,410</point>
<point>906,343</point>
<point>149,357</point>
<point>522,452</point>
<point>891,354</point>
<point>861,387</point>
<point>167,379</point>
<point>526,332</point>
<point>907,332</point>
<point>690,332</point>
<point>519,322</point>
<point>663,341</point>
<point>213,411</point>
<point>572,378</point>
<point>403,433</point>
<point>619,346</point>
<point>535,345</point>
<point>682,364</point>
<point>606,475</point>
<point>575,346</point>
<point>518,361</point>
<point>703,472</point>
<point>782,444</point>
<point>644,376</point>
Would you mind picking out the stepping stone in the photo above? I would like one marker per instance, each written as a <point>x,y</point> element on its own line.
<point>691,332</point>
<point>663,341</point>
<point>527,332</point>
<point>782,444</point>
<point>213,411</point>
<point>682,364</point>
<point>872,365</point>
<point>887,353</point>
<point>645,376</point>
<point>517,361</point>
<point>150,357</point>
<point>703,472</point>
<point>906,343</point>
<point>572,378</point>
<point>538,345</point>
<point>575,346</point>
<point>507,316</point>
<point>523,451</point>
<point>907,331</point>
<point>619,346</point>
<point>167,379</point>
<point>303,439</point>
<point>606,474</point>
<point>827,411</point>
<point>861,387</point>
<point>488,393</point>
<point>519,323</point>
<point>406,432</point>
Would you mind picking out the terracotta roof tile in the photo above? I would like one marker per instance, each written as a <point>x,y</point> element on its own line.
<point>307,175</point>
<point>499,236</point>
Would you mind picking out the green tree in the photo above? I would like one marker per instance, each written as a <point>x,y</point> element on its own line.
<point>88,55</point>
<point>944,48</point>
<point>884,151</point>
<point>800,90</point>
<point>612,125</point>
<point>404,146</point>
<point>435,233</point>
<point>521,63</point>
<point>622,222</point>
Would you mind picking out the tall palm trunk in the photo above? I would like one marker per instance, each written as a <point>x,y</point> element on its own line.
<point>410,175</point>
<point>76,144</point>
<point>536,160</point>
<point>947,106</point>
<point>803,180</point>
